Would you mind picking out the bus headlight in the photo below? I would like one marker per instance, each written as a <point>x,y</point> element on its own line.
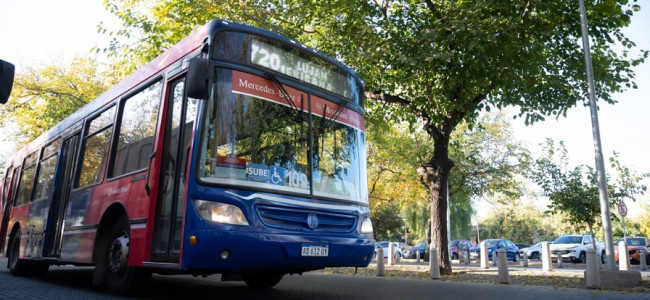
<point>366,225</point>
<point>220,212</point>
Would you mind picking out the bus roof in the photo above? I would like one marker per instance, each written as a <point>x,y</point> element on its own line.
<point>193,42</point>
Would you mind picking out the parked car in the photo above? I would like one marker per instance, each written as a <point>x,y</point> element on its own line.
<point>521,246</point>
<point>635,247</point>
<point>458,245</point>
<point>397,249</point>
<point>412,251</point>
<point>512,252</point>
<point>533,252</point>
<point>573,247</point>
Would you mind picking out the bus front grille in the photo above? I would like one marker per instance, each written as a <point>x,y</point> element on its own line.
<point>305,220</point>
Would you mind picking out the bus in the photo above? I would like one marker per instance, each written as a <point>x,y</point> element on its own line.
<point>236,152</point>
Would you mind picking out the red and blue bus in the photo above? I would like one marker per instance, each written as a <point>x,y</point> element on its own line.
<point>237,152</point>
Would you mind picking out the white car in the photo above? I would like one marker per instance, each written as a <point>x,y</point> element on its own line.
<point>397,249</point>
<point>532,252</point>
<point>573,247</point>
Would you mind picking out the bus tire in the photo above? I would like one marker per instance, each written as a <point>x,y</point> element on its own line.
<point>17,266</point>
<point>122,279</point>
<point>262,280</point>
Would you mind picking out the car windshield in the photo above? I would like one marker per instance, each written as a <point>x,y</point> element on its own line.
<point>383,244</point>
<point>568,240</point>
<point>635,242</point>
<point>491,243</point>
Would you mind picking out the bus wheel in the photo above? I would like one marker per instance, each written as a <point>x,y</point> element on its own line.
<point>262,280</point>
<point>121,279</point>
<point>17,266</point>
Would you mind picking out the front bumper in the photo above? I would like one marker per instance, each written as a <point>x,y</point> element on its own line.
<point>278,252</point>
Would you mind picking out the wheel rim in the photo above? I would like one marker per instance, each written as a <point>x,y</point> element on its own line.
<point>118,253</point>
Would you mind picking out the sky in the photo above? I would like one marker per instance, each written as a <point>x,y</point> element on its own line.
<point>34,32</point>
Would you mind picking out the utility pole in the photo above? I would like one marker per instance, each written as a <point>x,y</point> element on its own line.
<point>600,164</point>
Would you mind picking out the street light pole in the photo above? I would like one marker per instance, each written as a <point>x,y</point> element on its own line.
<point>600,164</point>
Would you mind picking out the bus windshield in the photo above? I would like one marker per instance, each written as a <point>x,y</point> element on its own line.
<point>255,138</point>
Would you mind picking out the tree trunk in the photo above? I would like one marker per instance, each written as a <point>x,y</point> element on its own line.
<point>435,174</point>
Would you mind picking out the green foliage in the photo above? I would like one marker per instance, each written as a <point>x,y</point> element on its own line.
<point>392,181</point>
<point>487,160</point>
<point>575,192</point>
<point>43,97</point>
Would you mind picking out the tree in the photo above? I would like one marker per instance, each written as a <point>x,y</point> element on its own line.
<point>575,192</point>
<point>393,185</point>
<point>436,63</point>
<point>45,96</point>
<point>487,161</point>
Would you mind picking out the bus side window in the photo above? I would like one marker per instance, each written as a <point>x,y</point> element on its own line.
<point>26,184</point>
<point>46,169</point>
<point>135,133</point>
<point>95,148</point>
<point>5,186</point>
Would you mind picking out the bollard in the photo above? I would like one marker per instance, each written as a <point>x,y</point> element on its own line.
<point>494,258</point>
<point>525,260</point>
<point>417,255</point>
<point>504,276</point>
<point>391,254</point>
<point>642,261</point>
<point>484,256</point>
<point>467,257</point>
<point>381,269</point>
<point>547,264</point>
<point>623,257</point>
<point>559,260</point>
<point>592,275</point>
<point>434,267</point>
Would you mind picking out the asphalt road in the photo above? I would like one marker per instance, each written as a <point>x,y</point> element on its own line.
<point>75,283</point>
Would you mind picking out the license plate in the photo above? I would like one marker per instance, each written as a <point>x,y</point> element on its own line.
<point>314,250</point>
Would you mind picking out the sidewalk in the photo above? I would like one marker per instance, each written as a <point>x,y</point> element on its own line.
<point>570,276</point>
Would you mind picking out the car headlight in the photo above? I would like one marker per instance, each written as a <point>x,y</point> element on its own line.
<point>220,212</point>
<point>366,225</point>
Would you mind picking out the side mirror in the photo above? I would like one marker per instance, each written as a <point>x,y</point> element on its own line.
<point>6,80</point>
<point>198,75</point>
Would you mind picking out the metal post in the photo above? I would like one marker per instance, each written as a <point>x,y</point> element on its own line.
<point>547,264</point>
<point>525,261</point>
<point>592,276</point>
<point>600,165</point>
<point>380,262</point>
<point>484,256</point>
<point>391,254</point>
<point>503,275</point>
<point>434,267</point>
<point>623,257</point>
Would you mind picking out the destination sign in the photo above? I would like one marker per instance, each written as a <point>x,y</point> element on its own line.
<point>291,64</point>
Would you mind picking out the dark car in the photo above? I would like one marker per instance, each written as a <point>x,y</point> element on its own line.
<point>512,252</point>
<point>456,246</point>
<point>412,251</point>
<point>522,246</point>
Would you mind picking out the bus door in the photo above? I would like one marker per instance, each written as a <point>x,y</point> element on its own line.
<point>7,189</point>
<point>172,181</point>
<point>57,214</point>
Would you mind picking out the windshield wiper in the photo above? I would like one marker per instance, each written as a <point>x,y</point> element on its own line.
<point>284,94</point>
